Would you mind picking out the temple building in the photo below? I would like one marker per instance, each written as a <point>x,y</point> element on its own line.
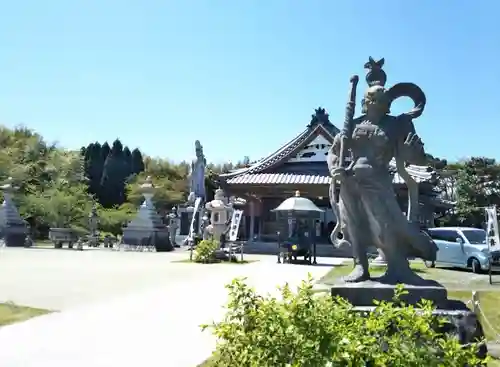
<point>301,165</point>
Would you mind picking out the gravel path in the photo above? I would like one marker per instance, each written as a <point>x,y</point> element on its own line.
<point>146,311</point>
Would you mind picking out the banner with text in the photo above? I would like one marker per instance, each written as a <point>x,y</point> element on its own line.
<point>235,224</point>
<point>492,235</point>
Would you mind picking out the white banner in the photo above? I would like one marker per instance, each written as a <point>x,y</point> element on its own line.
<point>197,203</point>
<point>492,235</point>
<point>235,225</point>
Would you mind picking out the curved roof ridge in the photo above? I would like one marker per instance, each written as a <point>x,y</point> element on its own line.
<point>270,157</point>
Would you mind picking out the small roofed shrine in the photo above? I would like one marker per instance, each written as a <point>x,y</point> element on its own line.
<point>301,165</point>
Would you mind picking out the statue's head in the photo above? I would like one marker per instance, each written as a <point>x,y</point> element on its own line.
<point>375,101</point>
<point>199,148</point>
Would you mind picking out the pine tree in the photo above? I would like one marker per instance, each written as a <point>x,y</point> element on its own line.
<point>127,156</point>
<point>113,177</point>
<point>93,167</point>
<point>137,161</point>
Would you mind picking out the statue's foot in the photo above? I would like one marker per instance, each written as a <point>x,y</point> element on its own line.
<point>358,274</point>
<point>405,276</point>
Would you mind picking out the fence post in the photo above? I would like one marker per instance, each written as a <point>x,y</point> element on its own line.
<point>475,302</point>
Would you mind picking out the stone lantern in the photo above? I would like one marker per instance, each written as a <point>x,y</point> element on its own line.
<point>147,228</point>
<point>14,228</point>
<point>220,212</point>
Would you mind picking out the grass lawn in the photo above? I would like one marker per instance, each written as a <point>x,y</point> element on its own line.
<point>187,261</point>
<point>211,362</point>
<point>11,313</point>
<point>489,297</point>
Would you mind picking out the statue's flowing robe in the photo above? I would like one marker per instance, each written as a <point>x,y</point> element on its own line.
<point>198,178</point>
<point>369,211</point>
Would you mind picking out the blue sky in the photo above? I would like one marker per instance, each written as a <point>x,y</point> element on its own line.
<point>244,77</point>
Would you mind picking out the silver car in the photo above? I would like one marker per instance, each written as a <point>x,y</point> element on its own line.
<point>463,247</point>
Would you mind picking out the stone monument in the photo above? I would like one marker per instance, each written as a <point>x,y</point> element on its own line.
<point>147,227</point>
<point>369,215</point>
<point>14,229</point>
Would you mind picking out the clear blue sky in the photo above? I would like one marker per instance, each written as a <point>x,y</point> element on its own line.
<point>244,77</point>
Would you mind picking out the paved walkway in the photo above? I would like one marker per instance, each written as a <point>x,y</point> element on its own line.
<point>153,327</point>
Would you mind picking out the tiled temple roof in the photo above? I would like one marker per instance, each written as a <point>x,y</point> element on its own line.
<point>260,172</point>
<point>298,179</point>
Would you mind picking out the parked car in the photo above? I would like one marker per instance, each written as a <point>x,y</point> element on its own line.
<point>464,247</point>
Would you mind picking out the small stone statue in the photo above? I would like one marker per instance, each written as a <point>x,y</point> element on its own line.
<point>197,185</point>
<point>205,227</point>
<point>173,225</point>
<point>368,212</point>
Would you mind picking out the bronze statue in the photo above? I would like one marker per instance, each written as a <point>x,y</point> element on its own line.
<point>366,206</point>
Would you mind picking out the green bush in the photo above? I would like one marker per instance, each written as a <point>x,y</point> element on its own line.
<point>308,329</point>
<point>205,251</point>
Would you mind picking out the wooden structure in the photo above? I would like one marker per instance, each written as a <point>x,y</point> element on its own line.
<point>301,165</point>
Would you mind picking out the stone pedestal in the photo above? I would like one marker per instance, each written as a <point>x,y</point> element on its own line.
<point>364,293</point>
<point>463,323</point>
<point>148,229</point>
<point>13,228</point>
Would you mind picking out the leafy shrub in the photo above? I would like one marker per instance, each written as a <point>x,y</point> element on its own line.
<point>113,220</point>
<point>205,251</point>
<point>313,330</point>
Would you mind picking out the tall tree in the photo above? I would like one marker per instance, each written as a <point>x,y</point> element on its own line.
<point>127,156</point>
<point>113,177</point>
<point>477,186</point>
<point>105,150</point>
<point>93,167</point>
<point>137,161</point>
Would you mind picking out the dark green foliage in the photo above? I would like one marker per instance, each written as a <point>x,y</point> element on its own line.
<point>137,162</point>
<point>127,157</point>
<point>477,186</point>
<point>112,192</point>
<point>105,150</point>
<point>108,169</point>
<point>94,163</point>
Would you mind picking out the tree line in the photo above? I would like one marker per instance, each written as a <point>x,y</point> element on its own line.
<point>57,187</point>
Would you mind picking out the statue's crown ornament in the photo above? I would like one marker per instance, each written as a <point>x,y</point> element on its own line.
<point>375,74</point>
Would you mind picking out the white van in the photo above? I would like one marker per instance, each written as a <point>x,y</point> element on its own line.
<point>463,247</point>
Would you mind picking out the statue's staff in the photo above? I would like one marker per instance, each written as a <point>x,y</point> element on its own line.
<point>345,136</point>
